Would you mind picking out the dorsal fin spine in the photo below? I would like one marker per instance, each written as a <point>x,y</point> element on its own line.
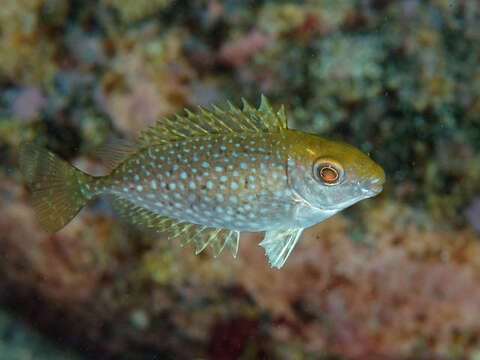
<point>212,120</point>
<point>282,118</point>
<point>250,110</point>
<point>191,117</point>
<point>222,114</point>
<point>176,126</point>
<point>265,110</point>
<point>218,121</point>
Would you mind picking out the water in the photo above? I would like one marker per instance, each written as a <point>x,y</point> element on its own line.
<point>392,276</point>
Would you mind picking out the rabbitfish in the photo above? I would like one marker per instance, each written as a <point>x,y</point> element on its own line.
<point>206,176</point>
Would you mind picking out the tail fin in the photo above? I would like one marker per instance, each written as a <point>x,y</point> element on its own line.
<point>59,190</point>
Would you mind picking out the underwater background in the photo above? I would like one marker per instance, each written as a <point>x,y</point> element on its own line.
<point>394,277</point>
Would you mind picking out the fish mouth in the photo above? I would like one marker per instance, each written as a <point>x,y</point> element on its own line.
<point>372,191</point>
<point>373,187</point>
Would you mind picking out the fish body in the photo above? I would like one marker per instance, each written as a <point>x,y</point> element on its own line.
<point>208,176</point>
<point>237,182</point>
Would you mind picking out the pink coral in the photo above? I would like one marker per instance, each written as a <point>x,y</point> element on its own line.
<point>473,214</point>
<point>29,102</point>
<point>367,301</point>
<point>237,52</point>
<point>417,284</point>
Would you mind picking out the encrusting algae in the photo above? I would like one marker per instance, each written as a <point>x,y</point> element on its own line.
<point>208,176</point>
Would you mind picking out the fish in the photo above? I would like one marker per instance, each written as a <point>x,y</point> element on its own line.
<point>208,175</point>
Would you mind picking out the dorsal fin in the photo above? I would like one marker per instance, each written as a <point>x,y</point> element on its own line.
<point>218,121</point>
<point>115,150</point>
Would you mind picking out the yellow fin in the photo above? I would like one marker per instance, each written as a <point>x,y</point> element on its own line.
<point>216,239</point>
<point>224,238</point>
<point>201,236</point>
<point>140,216</point>
<point>59,190</point>
<point>278,245</point>
<point>115,150</point>
<point>218,121</point>
<point>201,242</point>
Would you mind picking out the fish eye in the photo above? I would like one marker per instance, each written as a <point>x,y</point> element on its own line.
<point>328,172</point>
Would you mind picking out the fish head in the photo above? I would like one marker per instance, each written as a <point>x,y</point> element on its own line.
<point>332,175</point>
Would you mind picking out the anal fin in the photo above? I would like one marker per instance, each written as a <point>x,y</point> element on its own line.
<point>225,238</point>
<point>216,239</point>
<point>278,245</point>
<point>201,236</point>
<point>140,216</point>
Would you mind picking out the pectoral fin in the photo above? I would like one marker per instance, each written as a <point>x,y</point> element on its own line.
<point>278,245</point>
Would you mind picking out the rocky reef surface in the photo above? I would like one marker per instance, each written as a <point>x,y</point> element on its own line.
<point>394,277</point>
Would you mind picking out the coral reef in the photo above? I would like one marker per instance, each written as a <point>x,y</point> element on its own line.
<point>394,277</point>
<point>148,78</point>
<point>19,342</point>
<point>139,10</point>
<point>28,52</point>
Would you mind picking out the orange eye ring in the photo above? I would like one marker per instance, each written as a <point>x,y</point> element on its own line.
<point>328,172</point>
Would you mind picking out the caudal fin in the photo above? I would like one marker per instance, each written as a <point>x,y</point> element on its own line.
<point>59,190</point>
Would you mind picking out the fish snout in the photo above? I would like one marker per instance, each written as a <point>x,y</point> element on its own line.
<point>374,185</point>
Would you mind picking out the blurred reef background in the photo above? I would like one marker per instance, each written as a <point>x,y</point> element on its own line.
<point>394,277</point>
